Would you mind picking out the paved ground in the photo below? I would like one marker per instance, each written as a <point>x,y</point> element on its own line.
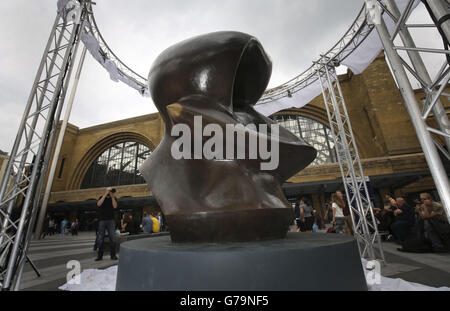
<point>52,254</point>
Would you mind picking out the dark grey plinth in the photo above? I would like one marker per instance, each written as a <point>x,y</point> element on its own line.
<point>301,261</point>
<point>126,238</point>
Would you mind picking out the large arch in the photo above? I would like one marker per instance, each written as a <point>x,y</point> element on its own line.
<point>314,132</point>
<point>97,148</point>
<point>317,114</point>
<point>310,111</point>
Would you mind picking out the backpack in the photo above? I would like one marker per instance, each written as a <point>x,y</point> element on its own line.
<point>417,245</point>
<point>331,230</point>
<point>442,228</point>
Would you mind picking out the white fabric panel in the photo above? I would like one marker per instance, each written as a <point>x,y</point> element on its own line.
<point>115,74</point>
<point>134,85</point>
<point>71,10</point>
<point>358,61</point>
<point>111,67</point>
<point>365,54</point>
<point>92,46</point>
<point>298,99</point>
<point>61,4</point>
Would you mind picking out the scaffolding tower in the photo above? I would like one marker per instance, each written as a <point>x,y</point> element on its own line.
<point>32,148</point>
<point>357,194</point>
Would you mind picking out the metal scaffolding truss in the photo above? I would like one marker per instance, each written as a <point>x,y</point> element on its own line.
<point>363,220</point>
<point>350,41</point>
<point>432,108</point>
<point>432,88</point>
<point>33,144</point>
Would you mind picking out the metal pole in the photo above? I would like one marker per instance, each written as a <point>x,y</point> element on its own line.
<point>434,162</point>
<point>57,151</point>
<point>440,9</point>
<point>419,66</point>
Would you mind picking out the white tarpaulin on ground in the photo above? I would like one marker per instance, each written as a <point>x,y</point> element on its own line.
<point>93,280</point>
<point>377,282</point>
<point>105,280</point>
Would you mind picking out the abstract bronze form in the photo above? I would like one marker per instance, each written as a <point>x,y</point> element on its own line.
<point>219,76</point>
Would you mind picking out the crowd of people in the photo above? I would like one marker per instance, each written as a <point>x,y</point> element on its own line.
<point>105,225</point>
<point>422,228</point>
<point>337,214</point>
<point>51,227</point>
<point>151,223</point>
<point>128,225</point>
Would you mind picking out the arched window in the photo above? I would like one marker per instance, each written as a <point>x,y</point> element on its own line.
<point>117,165</point>
<point>313,132</point>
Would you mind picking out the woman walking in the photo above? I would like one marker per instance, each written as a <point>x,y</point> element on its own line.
<point>338,214</point>
<point>307,216</point>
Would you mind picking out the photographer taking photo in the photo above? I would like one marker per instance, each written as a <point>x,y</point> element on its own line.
<point>107,203</point>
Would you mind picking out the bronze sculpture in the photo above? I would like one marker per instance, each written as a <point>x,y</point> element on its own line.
<point>219,76</point>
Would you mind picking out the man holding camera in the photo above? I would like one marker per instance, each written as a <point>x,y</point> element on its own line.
<point>107,203</point>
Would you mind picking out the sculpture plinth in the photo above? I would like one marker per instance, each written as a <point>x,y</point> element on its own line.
<point>301,261</point>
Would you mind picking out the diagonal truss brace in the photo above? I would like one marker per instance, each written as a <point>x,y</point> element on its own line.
<point>433,91</point>
<point>363,220</point>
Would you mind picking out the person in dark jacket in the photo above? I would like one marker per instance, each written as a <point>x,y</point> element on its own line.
<point>129,224</point>
<point>297,216</point>
<point>95,224</point>
<point>404,220</point>
<point>107,204</point>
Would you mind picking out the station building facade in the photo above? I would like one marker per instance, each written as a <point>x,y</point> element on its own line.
<point>110,154</point>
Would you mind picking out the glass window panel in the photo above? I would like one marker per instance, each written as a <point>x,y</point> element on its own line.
<point>118,165</point>
<point>313,132</point>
